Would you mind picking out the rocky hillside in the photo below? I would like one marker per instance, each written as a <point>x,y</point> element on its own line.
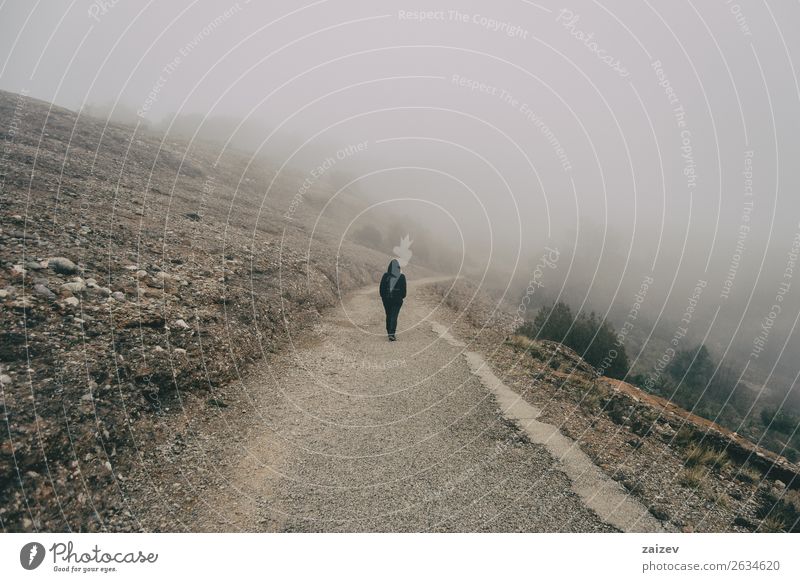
<point>692,474</point>
<point>135,271</point>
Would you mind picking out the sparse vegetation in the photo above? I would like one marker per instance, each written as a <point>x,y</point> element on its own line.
<point>684,436</point>
<point>592,400</point>
<point>780,511</point>
<point>702,455</point>
<point>646,427</point>
<point>779,420</point>
<point>525,344</point>
<point>593,338</point>
<point>519,342</point>
<point>720,460</point>
<point>724,501</point>
<point>697,382</point>
<point>694,477</point>
<point>749,474</point>
<point>771,524</point>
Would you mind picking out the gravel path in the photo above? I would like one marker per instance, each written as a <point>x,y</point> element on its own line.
<point>359,434</point>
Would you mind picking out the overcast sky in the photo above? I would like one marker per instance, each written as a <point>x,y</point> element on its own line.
<point>621,129</point>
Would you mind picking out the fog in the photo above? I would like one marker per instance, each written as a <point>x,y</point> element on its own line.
<point>642,141</point>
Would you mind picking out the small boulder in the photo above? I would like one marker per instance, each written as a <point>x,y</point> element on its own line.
<point>43,291</point>
<point>99,291</point>
<point>62,266</point>
<point>74,287</point>
<point>72,301</point>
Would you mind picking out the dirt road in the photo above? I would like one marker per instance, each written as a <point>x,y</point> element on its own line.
<point>355,433</point>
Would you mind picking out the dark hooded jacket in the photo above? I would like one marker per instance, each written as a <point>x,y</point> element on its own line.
<point>393,283</point>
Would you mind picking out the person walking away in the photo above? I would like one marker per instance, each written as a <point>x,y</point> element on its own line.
<point>393,291</point>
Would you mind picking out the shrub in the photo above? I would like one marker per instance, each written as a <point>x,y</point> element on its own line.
<point>719,460</point>
<point>520,342</point>
<point>592,400</point>
<point>779,420</point>
<point>684,436</point>
<point>781,512</point>
<point>594,339</point>
<point>749,474</point>
<point>694,478</point>
<point>700,455</point>
<point>771,524</point>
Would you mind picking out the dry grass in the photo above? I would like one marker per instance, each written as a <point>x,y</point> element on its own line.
<point>694,478</point>
<point>749,474</point>
<point>724,501</point>
<point>698,455</point>
<point>684,436</point>
<point>701,455</point>
<point>592,400</point>
<point>793,496</point>
<point>781,511</point>
<point>520,342</point>
<point>771,524</point>
<point>720,461</point>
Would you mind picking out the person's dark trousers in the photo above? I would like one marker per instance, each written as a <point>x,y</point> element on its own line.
<point>392,309</point>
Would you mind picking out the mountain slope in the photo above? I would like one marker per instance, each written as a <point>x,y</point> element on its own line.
<point>136,272</point>
<point>690,472</point>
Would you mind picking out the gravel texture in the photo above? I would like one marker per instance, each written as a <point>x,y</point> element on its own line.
<point>349,432</point>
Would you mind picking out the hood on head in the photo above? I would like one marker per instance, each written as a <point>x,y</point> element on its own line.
<point>394,268</point>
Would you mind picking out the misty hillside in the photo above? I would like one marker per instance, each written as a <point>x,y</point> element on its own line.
<point>137,273</point>
<point>691,474</point>
<point>143,278</point>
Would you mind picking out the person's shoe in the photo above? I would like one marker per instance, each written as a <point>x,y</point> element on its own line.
<point>392,338</point>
